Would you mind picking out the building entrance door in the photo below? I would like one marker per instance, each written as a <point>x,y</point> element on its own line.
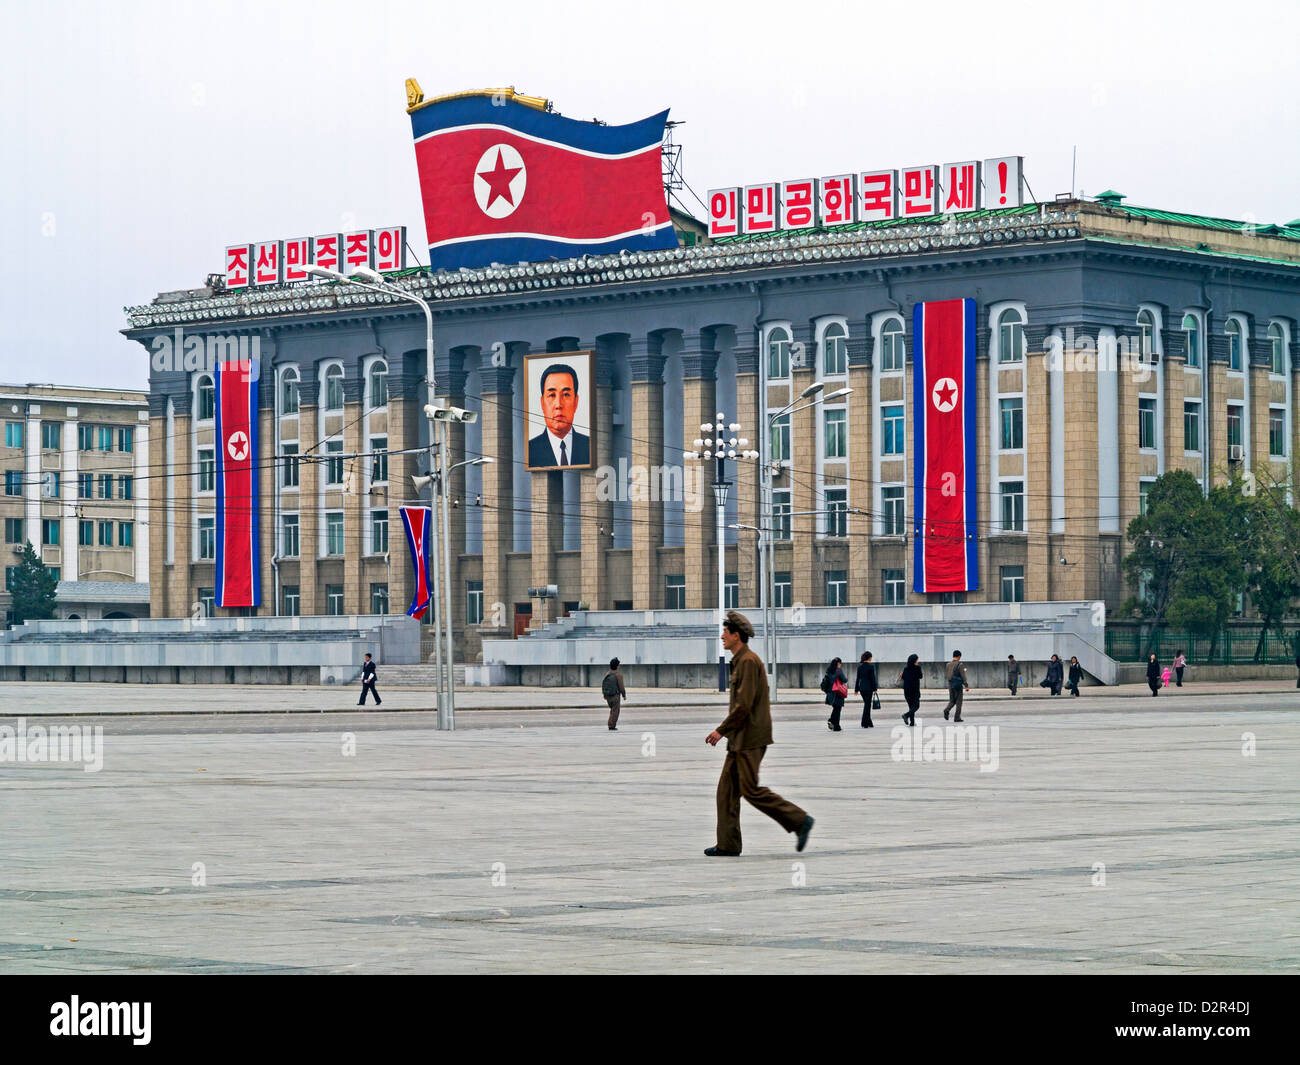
<point>523,615</point>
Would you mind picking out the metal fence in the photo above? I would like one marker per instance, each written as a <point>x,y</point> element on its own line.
<point>1234,645</point>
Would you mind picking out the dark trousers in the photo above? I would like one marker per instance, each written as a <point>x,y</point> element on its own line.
<point>913,704</point>
<point>836,706</point>
<point>369,686</point>
<point>1155,685</point>
<point>1179,671</point>
<point>740,780</point>
<point>866,710</point>
<point>1012,684</point>
<point>954,699</point>
<point>615,702</point>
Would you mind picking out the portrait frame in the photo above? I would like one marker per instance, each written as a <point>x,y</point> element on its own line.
<point>539,442</point>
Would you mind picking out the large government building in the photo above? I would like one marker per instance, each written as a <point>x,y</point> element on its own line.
<point>1113,343</point>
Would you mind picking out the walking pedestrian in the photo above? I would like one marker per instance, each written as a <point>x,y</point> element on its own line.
<point>1153,674</point>
<point>1014,676</point>
<point>368,678</point>
<point>1180,663</point>
<point>836,686</point>
<point>748,729</point>
<point>611,687</point>
<point>955,675</point>
<point>1076,675</point>
<point>910,679</point>
<point>866,686</point>
<point>1055,674</point>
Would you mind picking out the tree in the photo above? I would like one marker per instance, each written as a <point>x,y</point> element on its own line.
<point>1273,577</point>
<point>32,588</point>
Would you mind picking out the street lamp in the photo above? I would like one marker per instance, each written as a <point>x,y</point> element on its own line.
<point>720,445</point>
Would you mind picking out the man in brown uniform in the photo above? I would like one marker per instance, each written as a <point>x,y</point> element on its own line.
<point>748,729</point>
<point>955,675</point>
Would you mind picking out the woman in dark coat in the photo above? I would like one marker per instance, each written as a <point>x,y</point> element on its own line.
<point>1055,675</point>
<point>835,699</point>
<point>1076,675</point>
<point>1153,674</point>
<point>911,680</point>
<point>866,686</point>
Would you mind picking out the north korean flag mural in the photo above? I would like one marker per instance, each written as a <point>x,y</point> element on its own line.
<point>943,426</point>
<point>418,522</point>
<point>504,182</point>
<point>239,581</point>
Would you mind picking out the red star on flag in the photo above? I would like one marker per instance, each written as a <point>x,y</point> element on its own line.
<point>499,178</point>
<point>945,394</point>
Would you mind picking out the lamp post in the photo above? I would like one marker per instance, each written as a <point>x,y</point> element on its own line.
<point>720,446</point>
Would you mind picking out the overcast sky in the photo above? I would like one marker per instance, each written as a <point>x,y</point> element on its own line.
<point>141,138</point>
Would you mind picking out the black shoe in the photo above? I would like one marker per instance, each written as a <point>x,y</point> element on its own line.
<point>613,728</point>
<point>945,715</point>
<point>830,724</point>
<point>956,720</point>
<point>714,852</point>
<point>803,833</point>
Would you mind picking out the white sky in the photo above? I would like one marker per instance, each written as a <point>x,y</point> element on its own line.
<point>140,138</point>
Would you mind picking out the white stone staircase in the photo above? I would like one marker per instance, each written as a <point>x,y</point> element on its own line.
<point>424,675</point>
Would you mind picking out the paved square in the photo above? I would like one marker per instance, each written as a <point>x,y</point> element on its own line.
<point>541,842</point>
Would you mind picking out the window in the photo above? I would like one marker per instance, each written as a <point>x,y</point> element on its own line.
<point>1012,496</point>
<point>1191,425</point>
<point>891,429</point>
<point>952,597</point>
<point>1276,344</point>
<point>289,393</point>
<point>1144,494</point>
<point>835,351</point>
<point>105,438</point>
<point>782,589</point>
<point>473,602</point>
<point>13,434</point>
<point>892,346</point>
<point>836,427</point>
<point>837,512</point>
<point>731,591</point>
<point>207,538</point>
<point>289,471</point>
<point>891,585</point>
<point>334,600</point>
<point>208,602</point>
<point>85,485</point>
<point>85,438</point>
<point>292,600</point>
<point>378,385</point>
<point>1277,432</point>
<point>289,542</point>
<point>378,532</point>
<point>379,599</point>
<point>14,531</point>
<point>207,469</point>
<point>51,435</point>
<point>86,533</point>
<point>50,532</point>
<point>1147,422</point>
<point>126,534</point>
<point>56,572</point>
<point>13,482</point>
<point>50,481</point>
<point>1013,583</point>
<point>1011,417</point>
<point>1193,330</point>
<point>105,534</point>
<point>1011,336</point>
<point>780,442</point>
<point>334,388</point>
<point>781,514</point>
<point>11,575</point>
<point>126,487</point>
<point>334,532</point>
<point>674,592</point>
<point>1234,424</point>
<point>837,587</point>
<point>379,459</point>
<point>1233,329</point>
<point>333,466</point>
<point>1146,335</point>
<point>207,399</point>
<point>778,354</point>
<point>126,438</point>
<point>892,510</point>
<point>105,486</point>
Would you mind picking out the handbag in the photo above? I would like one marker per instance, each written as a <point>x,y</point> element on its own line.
<point>875,700</point>
<point>840,688</point>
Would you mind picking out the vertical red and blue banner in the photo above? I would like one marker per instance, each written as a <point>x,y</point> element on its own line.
<point>239,580</point>
<point>505,182</point>
<point>418,522</point>
<point>946,551</point>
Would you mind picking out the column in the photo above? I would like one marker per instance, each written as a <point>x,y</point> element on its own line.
<point>1173,357</point>
<point>597,528</point>
<point>548,537</point>
<point>861,487</point>
<point>496,380</point>
<point>312,599</point>
<point>356,597</point>
<point>747,487</point>
<point>1038,499</point>
<point>646,373</point>
<point>807,584</point>
<point>699,406</point>
<point>449,374</point>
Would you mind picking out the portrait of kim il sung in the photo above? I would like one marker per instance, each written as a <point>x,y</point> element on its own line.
<point>561,399</point>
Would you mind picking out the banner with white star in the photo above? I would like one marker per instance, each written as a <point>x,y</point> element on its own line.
<point>945,526</point>
<point>238,580</point>
<point>504,182</point>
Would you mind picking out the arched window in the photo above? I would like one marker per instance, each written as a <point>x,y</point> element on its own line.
<point>289,391</point>
<point>778,354</point>
<point>1147,333</point>
<point>1011,336</point>
<point>835,350</point>
<point>207,399</point>
<point>892,346</point>
<point>1233,329</point>
<point>334,388</point>
<point>1277,349</point>
<point>379,384</point>
<point>1193,330</point>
